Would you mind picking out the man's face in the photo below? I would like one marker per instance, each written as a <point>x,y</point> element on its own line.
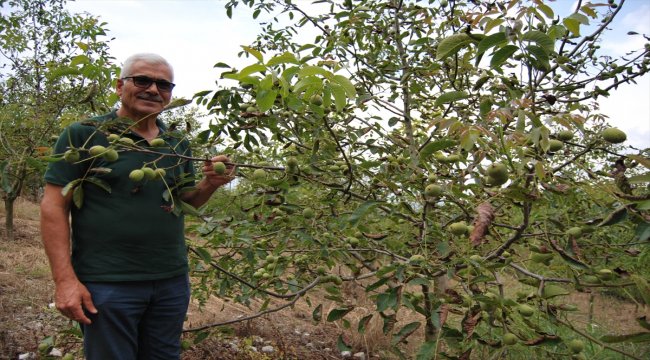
<point>137,102</point>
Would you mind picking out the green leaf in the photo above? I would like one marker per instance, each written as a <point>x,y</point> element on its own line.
<point>176,103</point>
<point>639,179</point>
<point>99,182</point>
<point>643,322</point>
<point>389,322</point>
<point>284,58</point>
<point>432,147</point>
<point>573,25</point>
<point>541,56</point>
<point>451,45</point>
<point>188,209</point>
<point>258,55</point>
<point>643,288</point>
<point>468,138</point>
<point>362,210</point>
<point>363,323</point>
<point>70,186</point>
<point>547,10</point>
<point>350,90</point>
<point>491,41</point>
<point>251,69</point>
<point>265,99</point>
<point>587,9</point>
<point>340,100</point>
<point>615,217</point>
<point>450,96</point>
<point>642,337</point>
<point>308,83</point>
<point>339,313</point>
<point>540,38</point>
<point>307,71</point>
<point>427,351</point>
<point>317,314</point>
<point>551,291</point>
<point>341,345</point>
<point>78,196</point>
<point>502,55</point>
<point>387,300</point>
<point>204,254</point>
<point>405,332</point>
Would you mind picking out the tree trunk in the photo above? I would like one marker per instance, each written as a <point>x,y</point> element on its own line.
<point>9,219</point>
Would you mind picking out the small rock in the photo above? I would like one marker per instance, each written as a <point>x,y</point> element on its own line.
<point>327,349</point>
<point>268,349</point>
<point>309,345</point>
<point>253,349</point>
<point>346,354</point>
<point>51,305</point>
<point>56,352</point>
<point>27,356</point>
<point>359,356</point>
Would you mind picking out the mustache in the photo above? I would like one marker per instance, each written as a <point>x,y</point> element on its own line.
<point>150,97</point>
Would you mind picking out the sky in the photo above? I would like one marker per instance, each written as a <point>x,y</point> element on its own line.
<point>193,35</point>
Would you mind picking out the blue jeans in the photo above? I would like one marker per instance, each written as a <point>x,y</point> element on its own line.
<point>137,319</point>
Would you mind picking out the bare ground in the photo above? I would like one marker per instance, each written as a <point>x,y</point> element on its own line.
<point>27,317</point>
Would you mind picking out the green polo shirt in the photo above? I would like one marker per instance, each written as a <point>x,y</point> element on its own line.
<point>124,231</point>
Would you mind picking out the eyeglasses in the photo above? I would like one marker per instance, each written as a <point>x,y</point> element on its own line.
<point>144,82</point>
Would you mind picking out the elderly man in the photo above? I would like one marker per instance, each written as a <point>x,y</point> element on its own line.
<point>119,260</point>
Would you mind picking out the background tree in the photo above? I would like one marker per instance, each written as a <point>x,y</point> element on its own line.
<point>55,69</point>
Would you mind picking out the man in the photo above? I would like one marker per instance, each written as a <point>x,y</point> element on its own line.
<point>119,260</point>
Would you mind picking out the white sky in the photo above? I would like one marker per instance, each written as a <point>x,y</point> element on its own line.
<point>193,35</point>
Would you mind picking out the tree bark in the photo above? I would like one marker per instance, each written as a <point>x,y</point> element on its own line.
<point>9,218</point>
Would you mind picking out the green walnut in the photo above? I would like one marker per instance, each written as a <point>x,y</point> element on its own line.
<point>96,150</point>
<point>126,140</point>
<point>433,190</point>
<point>110,155</point>
<point>259,174</point>
<point>613,135</point>
<point>136,175</point>
<point>525,310</point>
<point>157,142</point>
<point>605,274</point>
<point>308,213</point>
<point>458,228</point>
<point>219,168</point>
<point>509,339</point>
<point>564,135</point>
<point>574,231</point>
<point>576,346</point>
<point>149,173</point>
<point>555,145</point>
<point>160,173</point>
<point>316,100</point>
<point>71,156</point>
<point>292,162</point>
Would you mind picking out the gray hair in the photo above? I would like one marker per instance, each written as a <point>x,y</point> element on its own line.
<point>149,58</point>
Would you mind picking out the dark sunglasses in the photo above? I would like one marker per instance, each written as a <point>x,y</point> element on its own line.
<point>144,82</point>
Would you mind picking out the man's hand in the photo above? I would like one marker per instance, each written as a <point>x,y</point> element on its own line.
<point>71,298</point>
<point>215,179</point>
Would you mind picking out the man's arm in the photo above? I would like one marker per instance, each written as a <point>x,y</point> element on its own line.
<point>211,181</point>
<point>71,296</point>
